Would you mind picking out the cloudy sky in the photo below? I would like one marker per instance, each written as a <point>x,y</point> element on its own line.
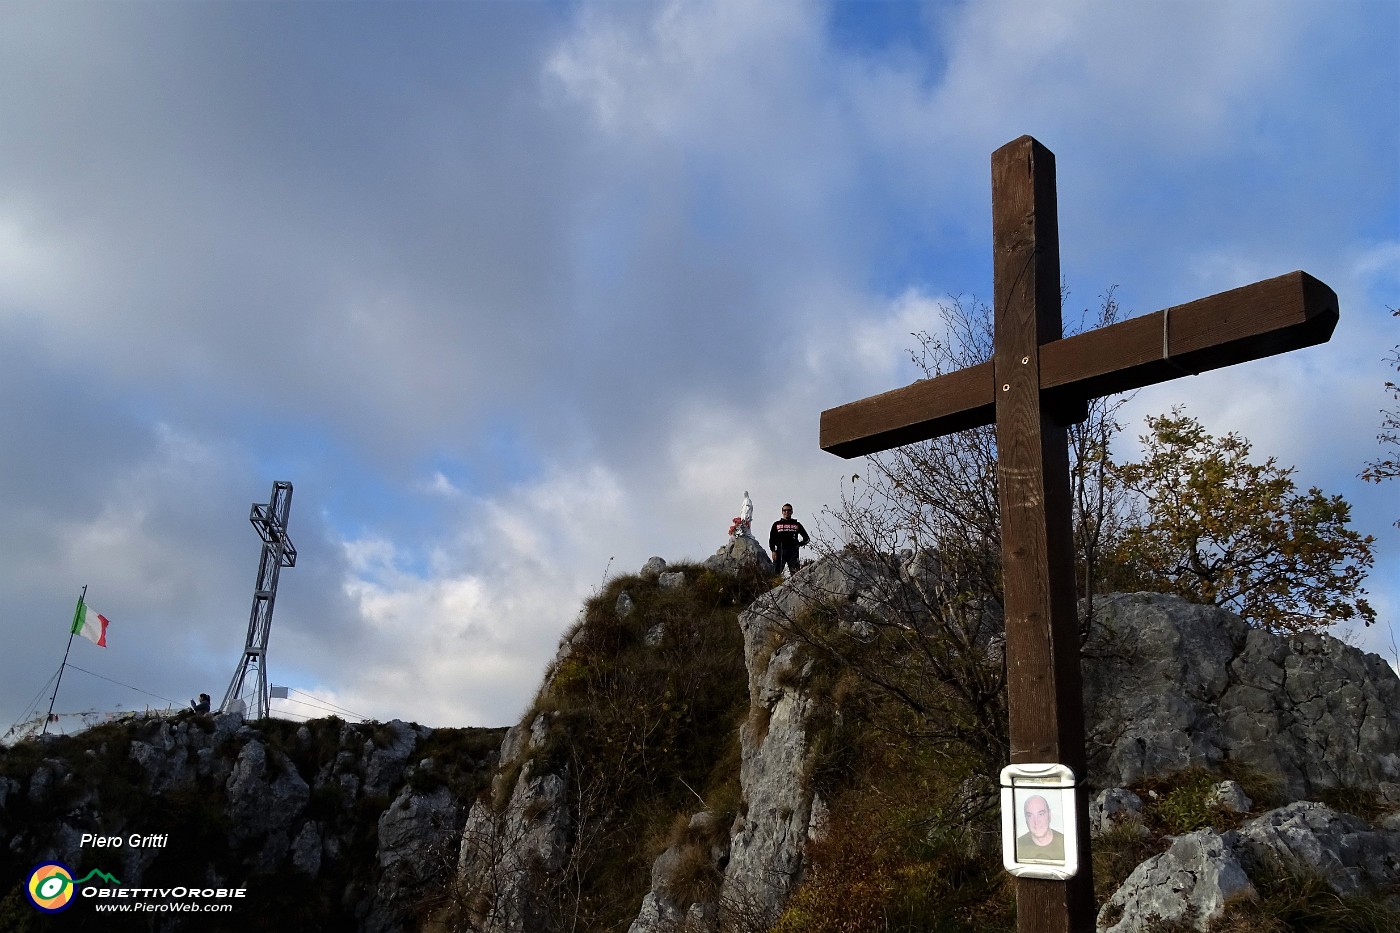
<point>520,294</point>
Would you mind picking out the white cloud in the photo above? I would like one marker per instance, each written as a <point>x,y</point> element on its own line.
<point>1379,267</point>
<point>440,485</point>
<point>659,70</point>
<point>471,632</point>
<point>1163,75</point>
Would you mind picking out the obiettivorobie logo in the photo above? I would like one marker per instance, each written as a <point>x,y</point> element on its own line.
<point>51,886</point>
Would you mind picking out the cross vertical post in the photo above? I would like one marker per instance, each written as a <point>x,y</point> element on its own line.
<point>1044,692</point>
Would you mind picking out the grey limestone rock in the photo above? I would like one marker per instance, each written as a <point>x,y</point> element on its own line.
<point>657,915</point>
<point>666,907</point>
<point>1191,882</point>
<point>9,790</point>
<point>1229,796</point>
<point>1342,848</point>
<point>1188,884</point>
<point>570,639</point>
<point>524,737</point>
<point>414,833</point>
<point>64,846</point>
<point>240,778</point>
<point>165,765</point>
<point>1153,667</point>
<point>739,553</point>
<point>768,837</point>
<point>384,767</point>
<point>539,730</point>
<point>671,579</point>
<point>266,796</point>
<point>660,912</point>
<point>50,773</point>
<point>345,764</point>
<point>265,792</point>
<point>762,861</point>
<point>1112,807</point>
<point>1322,713</point>
<point>208,763</point>
<point>653,567</point>
<point>225,724</point>
<point>1170,685</point>
<point>508,856</point>
<point>307,849</point>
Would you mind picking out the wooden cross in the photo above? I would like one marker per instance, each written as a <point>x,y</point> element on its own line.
<point>1034,386</point>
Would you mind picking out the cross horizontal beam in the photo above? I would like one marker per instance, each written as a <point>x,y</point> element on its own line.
<point>1273,316</point>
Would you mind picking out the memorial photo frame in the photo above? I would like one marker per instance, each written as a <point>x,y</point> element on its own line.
<point>1039,820</point>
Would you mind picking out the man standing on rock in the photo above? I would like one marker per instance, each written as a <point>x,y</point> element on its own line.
<point>786,536</point>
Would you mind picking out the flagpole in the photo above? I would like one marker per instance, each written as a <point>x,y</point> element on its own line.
<point>49,715</point>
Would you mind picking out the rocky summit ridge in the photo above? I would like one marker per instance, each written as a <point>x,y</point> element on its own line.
<point>690,763</point>
<point>1172,689</point>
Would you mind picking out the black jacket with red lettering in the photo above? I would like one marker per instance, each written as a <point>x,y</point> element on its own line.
<point>787,535</point>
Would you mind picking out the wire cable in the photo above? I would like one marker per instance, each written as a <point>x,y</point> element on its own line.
<point>33,704</point>
<point>120,684</point>
<point>327,702</point>
<point>326,709</point>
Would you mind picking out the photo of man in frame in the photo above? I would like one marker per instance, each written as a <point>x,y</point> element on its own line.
<point>1041,842</point>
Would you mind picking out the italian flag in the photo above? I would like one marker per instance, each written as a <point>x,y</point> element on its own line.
<point>90,624</point>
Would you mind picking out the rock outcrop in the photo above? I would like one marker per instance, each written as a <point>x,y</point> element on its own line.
<point>1189,883</point>
<point>522,839</point>
<point>511,854</point>
<point>1171,685</point>
<point>738,554</point>
<point>769,838</point>
<point>1192,881</point>
<point>340,824</point>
